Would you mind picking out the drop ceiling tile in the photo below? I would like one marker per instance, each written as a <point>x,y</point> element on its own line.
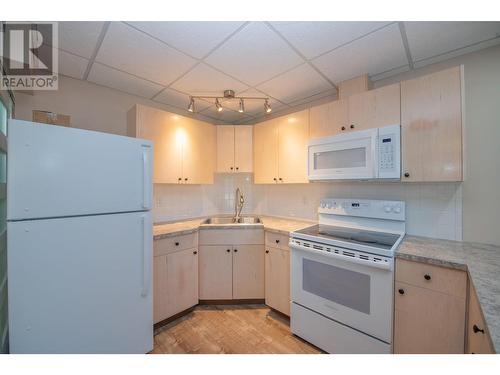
<point>315,38</point>
<point>254,55</point>
<point>78,37</point>
<point>135,52</point>
<point>71,65</point>
<point>375,53</point>
<point>427,39</point>
<point>295,84</point>
<point>194,38</point>
<point>204,80</point>
<point>330,94</point>
<point>118,80</point>
<point>179,99</point>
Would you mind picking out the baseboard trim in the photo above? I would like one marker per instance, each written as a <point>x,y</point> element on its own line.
<point>254,301</point>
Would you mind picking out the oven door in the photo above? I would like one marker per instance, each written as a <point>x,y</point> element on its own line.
<point>344,157</point>
<point>352,291</point>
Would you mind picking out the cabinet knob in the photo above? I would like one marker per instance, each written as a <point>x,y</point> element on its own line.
<point>343,127</point>
<point>407,174</point>
<point>231,168</point>
<point>352,126</point>
<point>427,277</point>
<point>476,329</point>
<point>237,168</point>
<point>277,241</point>
<point>177,244</point>
<point>275,179</point>
<point>401,291</point>
<point>186,179</point>
<point>179,179</point>
<point>267,251</point>
<point>281,179</point>
<point>195,252</point>
<point>235,250</point>
<point>228,250</point>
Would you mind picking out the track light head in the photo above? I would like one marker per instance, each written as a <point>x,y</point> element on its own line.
<point>267,106</point>
<point>191,105</point>
<point>217,105</point>
<point>242,106</point>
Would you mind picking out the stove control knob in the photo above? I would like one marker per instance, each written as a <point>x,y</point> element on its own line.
<point>397,209</point>
<point>323,205</point>
<point>328,205</point>
<point>387,209</point>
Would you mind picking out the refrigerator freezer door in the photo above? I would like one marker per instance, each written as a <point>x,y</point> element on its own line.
<point>55,171</point>
<point>81,284</point>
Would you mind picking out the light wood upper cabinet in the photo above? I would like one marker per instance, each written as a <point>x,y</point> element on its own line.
<point>278,279</point>
<point>430,309</point>
<point>184,149</point>
<point>375,108</point>
<point>265,137</point>
<point>328,119</point>
<point>431,127</point>
<point>280,149</point>
<point>292,149</point>
<point>248,272</point>
<point>234,148</point>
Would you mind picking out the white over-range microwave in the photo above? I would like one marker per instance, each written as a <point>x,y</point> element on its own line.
<point>360,155</point>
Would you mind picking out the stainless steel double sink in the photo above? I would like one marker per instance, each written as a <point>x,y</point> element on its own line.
<point>228,220</point>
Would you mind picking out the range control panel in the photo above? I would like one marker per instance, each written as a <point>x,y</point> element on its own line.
<point>379,209</point>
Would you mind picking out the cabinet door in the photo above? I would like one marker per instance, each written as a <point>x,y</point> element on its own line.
<point>427,322</point>
<point>265,137</point>
<point>431,127</point>
<point>160,290</point>
<point>478,337</point>
<point>375,108</point>
<point>166,131</point>
<point>293,140</point>
<point>225,148</point>
<point>328,119</point>
<point>199,152</point>
<point>248,272</point>
<point>243,148</point>
<point>215,272</point>
<point>277,279</point>
<point>182,280</point>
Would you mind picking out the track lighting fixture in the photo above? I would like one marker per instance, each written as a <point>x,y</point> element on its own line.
<point>229,95</point>
<point>191,105</point>
<point>217,105</point>
<point>267,106</point>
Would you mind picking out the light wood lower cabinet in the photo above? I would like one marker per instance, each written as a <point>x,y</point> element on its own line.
<point>278,279</point>
<point>175,283</point>
<point>430,309</point>
<point>216,272</point>
<point>248,272</point>
<point>478,337</point>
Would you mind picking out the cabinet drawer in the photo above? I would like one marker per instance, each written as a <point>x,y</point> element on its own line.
<point>276,240</point>
<point>439,279</point>
<point>176,243</point>
<point>478,337</point>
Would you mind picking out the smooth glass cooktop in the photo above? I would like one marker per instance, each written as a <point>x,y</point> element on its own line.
<point>352,235</point>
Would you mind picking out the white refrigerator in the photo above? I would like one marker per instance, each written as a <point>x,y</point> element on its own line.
<point>79,240</point>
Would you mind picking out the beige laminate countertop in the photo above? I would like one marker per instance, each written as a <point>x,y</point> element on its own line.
<point>269,223</point>
<point>482,262</point>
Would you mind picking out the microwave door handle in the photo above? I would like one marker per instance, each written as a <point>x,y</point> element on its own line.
<point>366,263</point>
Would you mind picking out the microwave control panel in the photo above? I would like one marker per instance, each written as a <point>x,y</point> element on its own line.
<point>389,152</point>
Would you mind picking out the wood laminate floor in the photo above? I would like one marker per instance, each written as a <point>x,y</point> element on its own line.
<point>237,329</point>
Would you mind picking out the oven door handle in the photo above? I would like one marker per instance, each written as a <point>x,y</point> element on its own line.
<point>367,263</point>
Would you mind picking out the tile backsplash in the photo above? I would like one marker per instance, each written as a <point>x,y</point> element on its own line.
<point>432,209</point>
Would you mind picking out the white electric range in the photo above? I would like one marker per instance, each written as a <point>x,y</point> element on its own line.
<point>342,275</point>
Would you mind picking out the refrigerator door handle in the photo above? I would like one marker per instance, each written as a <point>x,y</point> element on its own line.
<point>146,178</point>
<point>145,261</point>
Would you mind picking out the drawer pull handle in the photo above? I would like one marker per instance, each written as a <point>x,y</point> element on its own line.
<point>401,291</point>
<point>195,252</point>
<point>267,251</point>
<point>476,329</point>
<point>277,241</point>
<point>228,250</point>
<point>427,277</point>
<point>235,250</point>
<point>177,244</point>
